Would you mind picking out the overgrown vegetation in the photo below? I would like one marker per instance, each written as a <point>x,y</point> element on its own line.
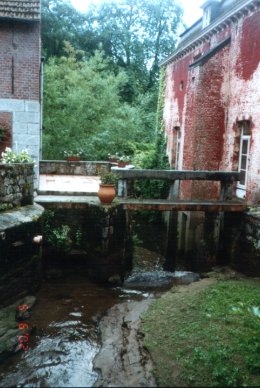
<point>101,77</point>
<point>60,237</point>
<point>206,338</point>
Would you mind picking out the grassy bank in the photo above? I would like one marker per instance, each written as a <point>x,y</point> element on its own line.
<point>206,334</point>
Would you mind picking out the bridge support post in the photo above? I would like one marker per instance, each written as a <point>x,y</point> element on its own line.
<point>122,188</point>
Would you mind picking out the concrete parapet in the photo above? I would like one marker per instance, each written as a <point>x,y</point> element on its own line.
<point>83,167</point>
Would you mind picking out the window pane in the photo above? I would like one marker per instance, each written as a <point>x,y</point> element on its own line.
<point>244,146</point>
<point>246,127</point>
<point>243,162</point>
<point>242,177</point>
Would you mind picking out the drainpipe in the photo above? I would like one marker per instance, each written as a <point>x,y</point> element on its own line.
<point>41,103</point>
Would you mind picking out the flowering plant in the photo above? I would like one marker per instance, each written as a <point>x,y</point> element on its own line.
<point>9,156</point>
<point>124,158</point>
<point>114,156</point>
<point>75,152</point>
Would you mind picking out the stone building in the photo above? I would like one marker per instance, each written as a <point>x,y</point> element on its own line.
<point>211,107</point>
<point>20,76</point>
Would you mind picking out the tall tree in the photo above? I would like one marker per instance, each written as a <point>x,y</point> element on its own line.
<point>83,107</point>
<point>137,34</point>
<point>60,22</point>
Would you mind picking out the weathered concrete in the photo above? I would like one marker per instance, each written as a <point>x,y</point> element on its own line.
<point>17,217</point>
<point>122,360</point>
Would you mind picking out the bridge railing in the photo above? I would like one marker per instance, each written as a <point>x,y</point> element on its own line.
<point>126,176</point>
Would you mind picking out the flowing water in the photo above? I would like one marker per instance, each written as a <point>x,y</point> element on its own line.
<point>65,337</point>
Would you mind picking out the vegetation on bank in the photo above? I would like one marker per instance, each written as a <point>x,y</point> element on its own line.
<point>206,337</point>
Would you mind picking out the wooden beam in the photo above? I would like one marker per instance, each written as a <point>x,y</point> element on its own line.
<point>166,205</point>
<point>223,176</point>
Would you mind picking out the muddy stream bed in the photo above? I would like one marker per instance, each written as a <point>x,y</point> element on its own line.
<point>70,320</point>
<point>85,334</point>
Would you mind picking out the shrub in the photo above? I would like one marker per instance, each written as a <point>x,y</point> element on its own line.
<point>9,156</point>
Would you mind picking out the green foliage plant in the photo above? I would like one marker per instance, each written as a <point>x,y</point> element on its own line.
<point>206,337</point>
<point>56,236</point>
<point>9,156</point>
<point>108,178</point>
<point>60,238</point>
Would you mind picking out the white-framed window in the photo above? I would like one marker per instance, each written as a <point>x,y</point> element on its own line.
<point>243,158</point>
<point>177,146</point>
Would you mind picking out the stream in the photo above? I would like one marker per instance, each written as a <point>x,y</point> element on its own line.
<point>65,334</point>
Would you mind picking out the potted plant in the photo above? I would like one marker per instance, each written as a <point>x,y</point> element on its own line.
<point>124,160</point>
<point>113,158</point>
<point>73,155</point>
<point>107,187</point>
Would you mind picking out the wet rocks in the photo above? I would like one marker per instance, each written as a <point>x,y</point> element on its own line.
<point>122,360</point>
<point>143,280</point>
<point>10,330</point>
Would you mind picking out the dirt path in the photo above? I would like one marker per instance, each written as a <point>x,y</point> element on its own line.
<point>122,360</point>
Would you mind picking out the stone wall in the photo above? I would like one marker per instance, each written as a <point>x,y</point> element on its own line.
<point>63,167</point>
<point>98,236</point>
<point>20,254</point>
<point>16,184</point>
<point>241,245</point>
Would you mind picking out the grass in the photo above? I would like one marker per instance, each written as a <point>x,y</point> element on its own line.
<point>207,336</point>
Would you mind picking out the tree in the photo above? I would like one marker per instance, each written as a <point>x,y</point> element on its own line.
<point>60,22</point>
<point>83,107</point>
<point>137,34</point>
<point>93,101</point>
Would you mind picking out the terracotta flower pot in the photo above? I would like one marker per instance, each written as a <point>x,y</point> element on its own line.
<point>123,164</point>
<point>113,160</point>
<point>106,193</point>
<point>73,158</point>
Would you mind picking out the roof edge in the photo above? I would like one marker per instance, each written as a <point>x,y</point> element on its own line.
<point>201,34</point>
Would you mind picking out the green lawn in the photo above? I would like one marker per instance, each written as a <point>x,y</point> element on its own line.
<point>206,335</point>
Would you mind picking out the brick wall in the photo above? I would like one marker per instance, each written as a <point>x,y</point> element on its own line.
<point>19,60</point>
<point>20,110</point>
<point>207,101</point>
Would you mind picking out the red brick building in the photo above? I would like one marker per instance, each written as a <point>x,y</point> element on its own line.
<point>212,114</point>
<point>212,97</point>
<point>20,76</point>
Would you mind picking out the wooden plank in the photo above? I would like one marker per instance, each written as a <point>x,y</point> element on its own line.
<point>223,176</point>
<point>166,205</point>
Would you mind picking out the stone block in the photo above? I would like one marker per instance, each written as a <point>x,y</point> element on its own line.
<point>32,106</point>
<point>19,129</point>
<point>33,129</point>
<point>27,117</point>
<point>11,105</point>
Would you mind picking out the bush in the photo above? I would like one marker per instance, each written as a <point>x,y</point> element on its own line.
<point>9,156</point>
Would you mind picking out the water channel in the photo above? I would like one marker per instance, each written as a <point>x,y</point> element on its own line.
<point>65,317</point>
